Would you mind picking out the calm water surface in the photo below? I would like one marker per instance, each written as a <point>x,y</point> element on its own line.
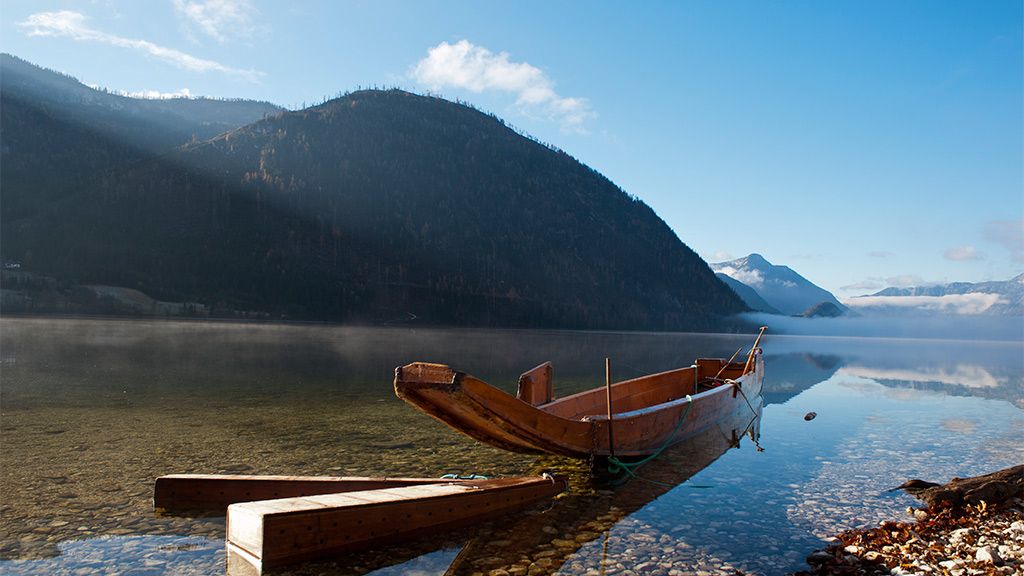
<point>91,411</point>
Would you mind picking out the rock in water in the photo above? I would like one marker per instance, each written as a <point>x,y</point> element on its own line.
<point>916,485</point>
<point>989,488</point>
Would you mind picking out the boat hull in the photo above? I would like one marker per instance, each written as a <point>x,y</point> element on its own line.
<point>650,412</point>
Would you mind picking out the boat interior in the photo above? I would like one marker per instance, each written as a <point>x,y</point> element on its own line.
<point>535,387</point>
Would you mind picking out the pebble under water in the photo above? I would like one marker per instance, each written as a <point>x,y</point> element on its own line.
<point>92,411</point>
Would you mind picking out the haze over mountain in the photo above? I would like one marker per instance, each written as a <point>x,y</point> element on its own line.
<point>377,206</point>
<point>749,296</point>
<point>779,286</point>
<point>153,124</point>
<point>998,298</point>
<point>58,131</point>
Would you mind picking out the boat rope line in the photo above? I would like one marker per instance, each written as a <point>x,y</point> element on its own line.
<point>615,465</point>
<point>739,388</point>
<point>698,486</point>
<point>464,477</point>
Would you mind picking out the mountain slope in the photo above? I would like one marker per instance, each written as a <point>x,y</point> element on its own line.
<point>376,206</point>
<point>145,123</point>
<point>779,286</point>
<point>58,132</point>
<point>749,296</point>
<point>1004,298</point>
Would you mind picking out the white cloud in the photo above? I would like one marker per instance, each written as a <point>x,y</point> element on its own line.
<point>158,95</point>
<point>968,375</point>
<point>221,19</point>
<point>880,254</point>
<point>720,256</point>
<point>963,253</point>
<point>862,285</point>
<point>973,303</point>
<point>1009,234</point>
<point>69,24</point>
<point>475,68</point>
<point>752,278</point>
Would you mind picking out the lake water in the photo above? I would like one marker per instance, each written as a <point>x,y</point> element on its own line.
<point>91,411</point>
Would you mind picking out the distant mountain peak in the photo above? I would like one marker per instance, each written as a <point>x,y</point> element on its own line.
<point>757,261</point>
<point>779,286</point>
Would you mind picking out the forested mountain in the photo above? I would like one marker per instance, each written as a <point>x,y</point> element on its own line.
<point>58,131</point>
<point>154,124</point>
<point>377,206</point>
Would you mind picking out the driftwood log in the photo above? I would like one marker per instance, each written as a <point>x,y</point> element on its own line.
<point>990,488</point>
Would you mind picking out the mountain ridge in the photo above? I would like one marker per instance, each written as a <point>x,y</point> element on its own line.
<point>59,132</point>
<point>377,205</point>
<point>994,297</point>
<point>780,286</point>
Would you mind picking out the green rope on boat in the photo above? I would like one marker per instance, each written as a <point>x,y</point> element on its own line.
<point>615,465</point>
<point>464,477</point>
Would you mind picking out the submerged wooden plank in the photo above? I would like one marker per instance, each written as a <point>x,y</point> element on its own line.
<point>213,493</point>
<point>287,530</point>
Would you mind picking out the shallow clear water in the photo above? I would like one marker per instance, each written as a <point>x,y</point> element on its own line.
<point>91,411</point>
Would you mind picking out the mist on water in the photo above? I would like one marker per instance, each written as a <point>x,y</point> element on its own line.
<point>951,327</point>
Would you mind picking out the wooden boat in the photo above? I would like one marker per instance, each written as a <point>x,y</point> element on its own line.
<point>268,533</point>
<point>646,413</point>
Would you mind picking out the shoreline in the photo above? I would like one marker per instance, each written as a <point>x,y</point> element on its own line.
<point>972,526</point>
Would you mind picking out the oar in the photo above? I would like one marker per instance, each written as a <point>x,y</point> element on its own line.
<point>750,357</point>
<point>726,365</point>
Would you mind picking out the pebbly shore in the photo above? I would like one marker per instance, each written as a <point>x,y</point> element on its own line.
<point>971,540</point>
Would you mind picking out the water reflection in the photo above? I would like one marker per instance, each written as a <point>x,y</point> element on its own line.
<point>962,368</point>
<point>92,411</point>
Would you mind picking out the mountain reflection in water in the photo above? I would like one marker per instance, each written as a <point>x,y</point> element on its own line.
<point>94,410</point>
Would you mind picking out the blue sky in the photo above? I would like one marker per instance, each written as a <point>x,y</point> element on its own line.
<point>864,144</point>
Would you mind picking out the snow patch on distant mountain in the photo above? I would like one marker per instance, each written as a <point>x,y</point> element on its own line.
<point>1005,298</point>
<point>779,286</point>
<point>976,303</point>
<point>752,278</point>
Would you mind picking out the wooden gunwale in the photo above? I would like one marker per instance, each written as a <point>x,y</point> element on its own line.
<point>495,417</point>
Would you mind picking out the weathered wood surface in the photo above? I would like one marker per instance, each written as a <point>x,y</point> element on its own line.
<point>276,532</point>
<point>535,387</point>
<point>647,409</point>
<point>212,493</point>
<point>989,488</point>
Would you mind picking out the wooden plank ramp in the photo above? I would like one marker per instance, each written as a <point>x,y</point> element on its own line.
<point>276,532</point>
<point>212,493</point>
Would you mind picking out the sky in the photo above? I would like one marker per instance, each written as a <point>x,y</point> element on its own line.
<point>865,144</point>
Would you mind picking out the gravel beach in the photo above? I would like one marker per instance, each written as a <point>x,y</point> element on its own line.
<point>968,541</point>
